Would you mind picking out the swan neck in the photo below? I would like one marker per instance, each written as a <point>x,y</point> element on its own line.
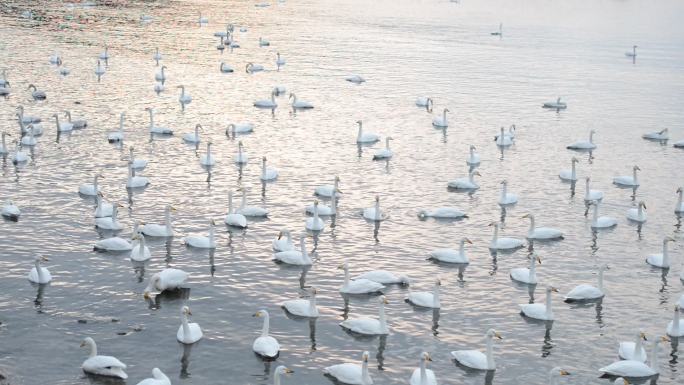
<point>675,322</point>
<point>574,171</point>
<point>591,137</point>
<point>496,234</point>
<point>312,304</point>
<point>264,329</point>
<point>461,247</point>
<point>167,219</point>
<point>365,377</point>
<point>377,209</point>
<point>549,311</point>
<point>333,204</point>
<point>186,327</point>
<point>553,379</point>
<point>435,296</point>
<point>381,316</point>
<point>141,245</point>
<point>654,355</point>
<point>666,255</point>
<point>93,349</point>
<point>595,216</point>
<point>302,247</point>
<point>211,234</point>
<point>600,280</point>
<point>230,203</point>
<point>504,190</point>
<point>679,200</point>
<point>531,224</point>
<point>346,275</point>
<point>276,378</point>
<point>488,353</point>
<point>638,345</point>
<point>423,373</point>
<point>39,270</point>
<point>635,176</point>
<point>151,118</point>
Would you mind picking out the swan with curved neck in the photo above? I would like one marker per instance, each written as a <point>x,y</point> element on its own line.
<point>351,373</point>
<point>184,98</point>
<point>441,121</point>
<point>570,175</point>
<point>188,333</point>
<point>628,181</point>
<point>357,286</point>
<point>538,311</point>
<point>102,365</point>
<point>39,274</point>
<point>265,345</point>
<point>369,326</point>
<point>527,275</point>
<point>477,360</point>
<point>294,257</point>
<point>585,292</point>
<point>426,298</point>
<point>385,153</point>
<point>365,137</point>
<point>661,260</point>
<point>423,375</point>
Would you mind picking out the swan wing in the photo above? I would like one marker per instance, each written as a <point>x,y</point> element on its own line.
<point>471,358</point>
<point>266,346</point>
<point>346,373</point>
<point>628,368</point>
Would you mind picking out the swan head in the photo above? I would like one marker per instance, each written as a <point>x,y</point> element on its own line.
<point>260,313</point>
<point>472,148</point>
<point>536,257</point>
<point>186,310</point>
<point>364,356</point>
<point>491,333</point>
<point>170,208</point>
<point>198,126</point>
<point>40,258</point>
<point>636,168</point>
<point>359,122</point>
<point>592,131</point>
<point>642,204</point>
<point>87,342</point>
<point>669,239</point>
<point>425,356</point>
<point>283,370</point>
<point>475,173</point>
<point>249,66</point>
<point>240,144</point>
<point>313,292</point>
<point>620,381</point>
<point>446,110</point>
<point>493,224</point>
<point>343,266</point>
<point>575,160</point>
<point>504,182</point>
<point>558,371</point>
<point>316,203</point>
<point>383,300</point>
<point>438,282</point>
<point>528,215</point>
<point>466,240</point>
<point>404,280</point>
<point>551,289</point>
<point>642,336</point>
<point>679,189</point>
<point>377,198</point>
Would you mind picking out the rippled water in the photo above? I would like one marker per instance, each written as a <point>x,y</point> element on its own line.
<point>404,49</point>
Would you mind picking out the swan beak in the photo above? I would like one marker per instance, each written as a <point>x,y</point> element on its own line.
<point>340,267</point>
<point>289,371</point>
<point>339,191</point>
<point>469,241</point>
<point>526,216</point>
<point>539,259</point>
<point>643,337</point>
<point>385,301</point>
<point>257,314</point>
<point>189,312</point>
<point>553,289</point>
<point>428,358</point>
<point>119,205</point>
<point>146,295</point>
<point>173,209</point>
<point>564,372</point>
<point>280,235</point>
<point>213,222</point>
<point>626,382</point>
<point>83,344</point>
<point>497,335</point>
<point>45,259</point>
<point>665,339</point>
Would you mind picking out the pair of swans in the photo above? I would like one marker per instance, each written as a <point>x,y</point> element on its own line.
<point>450,255</point>
<point>265,345</point>
<point>202,242</point>
<point>475,359</point>
<point>160,230</point>
<point>167,279</point>
<point>10,211</point>
<point>233,218</point>
<point>358,286</point>
<point>582,144</point>
<point>375,213</point>
<point>369,326</point>
<point>467,183</point>
<point>541,233</point>
<point>39,274</point>
<point>110,222</point>
<point>425,298</point>
<point>303,307</point>
<point>295,257</point>
<point>102,365</point>
<point>636,368</point>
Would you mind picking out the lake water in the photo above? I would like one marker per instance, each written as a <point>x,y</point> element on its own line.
<point>404,49</point>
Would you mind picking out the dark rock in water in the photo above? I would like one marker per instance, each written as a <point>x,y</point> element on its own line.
<point>82,321</point>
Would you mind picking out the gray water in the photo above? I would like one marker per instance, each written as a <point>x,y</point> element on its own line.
<point>404,49</point>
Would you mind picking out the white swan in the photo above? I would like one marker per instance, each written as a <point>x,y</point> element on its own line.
<point>112,244</point>
<point>140,252</point>
<point>441,121</point>
<point>499,32</point>
<point>137,164</point>
<point>62,127</point>
<point>629,181</point>
<point>541,232</point>
<point>193,137</point>
<point>661,260</point>
<point>660,135</point>
<point>225,68</point>
<point>263,42</point>
<point>5,90</point>
<point>299,104</point>
<point>506,198</point>
<point>265,345</point>
<point>294,257</point>
<point>423,375</point>
<point>79,123</point>
<point>675,328</point>
<point>601,222</point>
<point>586,292</point>
<point>475,359</point>
<point>358,286</point>
<point>314,223</point>
<point>20,156</point>
<point>502,139</point>
<point>385,153</point>
<point>638,214</point>
<point>110,223</point>
<point>267,103</point>
<point>117,136</point>
<point>591,195</point>
<point>451,255</point>
<point>251,68</point>
<point>634,351</point>
<point>239,128</point>
<point>369,326</point>
<point>202,20</point>
<point>3,80</point>
<point>426,298</point>
<point>374,213</point>
<point>91,189</point>
<point>365,137</point>
<point>55,58</point>
<point>157,56</point>
<point>424,101</point>
<point>279,60</point>
<point>473,158</point>
<point>267,173</point>
<point>36,93</point>
<point>633,53</point>
<point>102,208</point>
<point>527,275</point>
<point>102,365</point>
<point>241,157</point>
<point>357,79</point>
<point>105,55</point>
<point>134,181</point>
<point>327,190</point>
<point>679,144</point>
<point>540,311</point>
<point>161,75</point>
<point>250,211</point>
<point>582,144</point>
<point>207,159</point>
<point>232,218</point>
<point>280,244</point>
<point>323,210</point>
<point>636,369</point>
<point>679,208</point>
<point>303,307</point>
<point>570,175</point>
<point>99,70</point>
<point>167,279</point>
<point>26,119</point>
<point>3,144</point>
<point>10,211</point>
<point>557,105</point>
<point>157,129</point>
<point>443,212</point>
<point>384,277</point>
<point>39,274</point>
<point>202,242</point>
<point>159,378</point>
<point>467,183</point>
<point>156,230</point>
<point>351,373</point>
<point>188,333</point>
<point>184,98</point>
<point>503,243</point>
<point>159,88</point>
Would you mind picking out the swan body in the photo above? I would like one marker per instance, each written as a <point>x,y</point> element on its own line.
<point>10,211</point>
<point>99,70</point>
<point>109,223</point>
<point>103,209</point>
<point>267,173</point>
<point>202,242</point>
<point>159,378</point>
<point>154,129</point>
<point>526,275</point>
<point>633,368</point>
<point>62,127</point>
<point>467,183</point>
<point>157,230</point>
<point>441,121</point>
<point>202,20</point>
<point>105,55</point>
<point>280,244</point>
<point>358,286</point>
<point>20,156</point>
<point>267,103</point>
<point>675,328</point>
<point>207,159</point>
<point>193,137</point>
<point>542,232</point>
<point>327,191</point>
<point>633,350</point>
<point>422,375</point>
<point>385,153</point>
<point>679,144</point>
<point>279,61</point>
<point>161,75</point>
<point>36,93</point>
<point>303,307</point>
<point>265,345</point>
<point>314,223</point>
<point>660,135</point>
<point>117,136</point>
<point>475,359</point>
<point>374,213</point>
<point>184,97</point>
<point>113,244</point>
<point>90,189</point>
<point>300,104</point>
<point>157,56</point>
<point>251,211</point>
<point>570,175</point>
<point>632,54</point>
<point>384,277</point>
<point>503,140</point>
<point>251,68</point>
<point>506,198</point>
<point>584,145</point>
<point>39,274</point>
<point>225,68</point>
<point>102,365</point>
<point>601,222</point>
<point>628,181</point>
<point>424,101</point>
<point>240,128</point>
<point>591,195</point>
<point>365,137</point>
<point>3,144</point>
<point>351,374</point>
<point>355,79</point>
<point>294,257</point>
<point>134,181</point>
<point>661,260</point>
<point>232,218</point>
<point>140,252</point>
<point>586,292</point>
<point>426,298</point>
<point>540,311</point>
<point>443,212</point>
<point>136,164</point>
<point>77,124</point>
<point>167,279</point>
<point>638,214</point>
<point>557,105</point>
<point>369,326</point>
<point>263,42</point>
<point>188,333</point>
<point>473,158</point>
<point>451,255</point>
<point>503,243</point>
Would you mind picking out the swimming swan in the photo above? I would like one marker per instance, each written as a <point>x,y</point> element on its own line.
<point>661,260</point>
<point>426,298</point>
<point>629,181</point>
<point>586,292</point>
<point>102,365</point>
<point>475,359</point>
<point>369,326</point>
<point>265,345</point>
<point>584,145</point>
<point>541,232</point>
<point>357,286</point>
<point>351,373</point>
<point>188,333</point>
<point>503,243</point>
<point>539,311</point>
<point>451,255</point>
<point>422,375</point>
<point>39,274</point>
<point>570,175</point>
<point>167,279</point>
